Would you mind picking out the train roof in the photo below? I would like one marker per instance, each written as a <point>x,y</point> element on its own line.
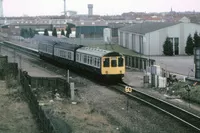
<point>97,52</point>
<point>42,38</point>
<point>58,42</point>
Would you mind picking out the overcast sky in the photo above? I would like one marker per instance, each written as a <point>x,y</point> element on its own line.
<point>101,7</point>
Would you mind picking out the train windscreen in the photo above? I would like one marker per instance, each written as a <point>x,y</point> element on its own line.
<point>120,62</point>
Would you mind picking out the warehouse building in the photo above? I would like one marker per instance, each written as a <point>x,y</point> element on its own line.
<point>148,38</point>
<point>90,29</point>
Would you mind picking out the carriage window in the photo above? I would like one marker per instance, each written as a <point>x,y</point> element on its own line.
<point>95,61</point>
<point>106,62</point>
<point>120,62</point>
<point>113,63</point>
<point>49,49</point>
<point>98,62</point>
<point>84,58</point>
<point>69,55</point>
<point>77,57</point>
<point>90,60</point>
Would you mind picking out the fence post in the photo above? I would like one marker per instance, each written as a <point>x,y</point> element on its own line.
<point>72,91</point>
<point>67,76</point>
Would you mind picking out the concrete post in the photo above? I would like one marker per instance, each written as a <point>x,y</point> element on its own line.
<point>67,76</point>
<point>72,91</point>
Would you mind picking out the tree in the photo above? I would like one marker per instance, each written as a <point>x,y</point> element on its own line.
<point>46,32</point>
<point>54,33</point>
<point>168,47</point>
<point>31,33</point>
<point>62,32</point>
<point>196,40</point>
<point>68,29</point>
<point>22,32</point>
<point>26,33</point>
<point>189,45</point>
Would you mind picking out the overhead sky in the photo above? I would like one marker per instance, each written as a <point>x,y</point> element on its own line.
<point>101,7</point>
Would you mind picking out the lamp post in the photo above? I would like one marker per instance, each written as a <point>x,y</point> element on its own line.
<point>149,49</point>
<point>141,43</point>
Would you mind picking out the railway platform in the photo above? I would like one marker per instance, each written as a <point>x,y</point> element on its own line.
<point>25,63</point>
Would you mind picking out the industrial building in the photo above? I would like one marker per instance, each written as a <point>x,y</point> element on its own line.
<point>90,29</point>
<point>148,37</point>
<point>114,30</point>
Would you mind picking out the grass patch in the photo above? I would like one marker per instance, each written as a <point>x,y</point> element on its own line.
<point>178,89</point>
<point>11,82</point>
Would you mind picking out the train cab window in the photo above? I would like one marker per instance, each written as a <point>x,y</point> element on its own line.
<point>106,62</point>
<point>120,61</point>
<point>113,63</point>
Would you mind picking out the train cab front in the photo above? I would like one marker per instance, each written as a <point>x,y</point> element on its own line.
<point>113,67</point>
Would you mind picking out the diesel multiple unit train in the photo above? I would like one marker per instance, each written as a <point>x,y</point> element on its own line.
<point>103,63</point>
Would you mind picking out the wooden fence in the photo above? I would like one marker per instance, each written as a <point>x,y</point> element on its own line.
<point>43,120</point>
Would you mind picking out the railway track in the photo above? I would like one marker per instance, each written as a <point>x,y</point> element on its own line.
<point>181,115</point>
<point>191,120</point>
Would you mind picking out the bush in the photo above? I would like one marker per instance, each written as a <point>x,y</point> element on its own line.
<point>189,45</point>
<point>179,90</point>
<point>168,47</point>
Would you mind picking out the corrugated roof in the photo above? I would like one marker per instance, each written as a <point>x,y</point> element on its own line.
<point>118,25</point>
<point>93,51</point>
<point>147,27</point>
